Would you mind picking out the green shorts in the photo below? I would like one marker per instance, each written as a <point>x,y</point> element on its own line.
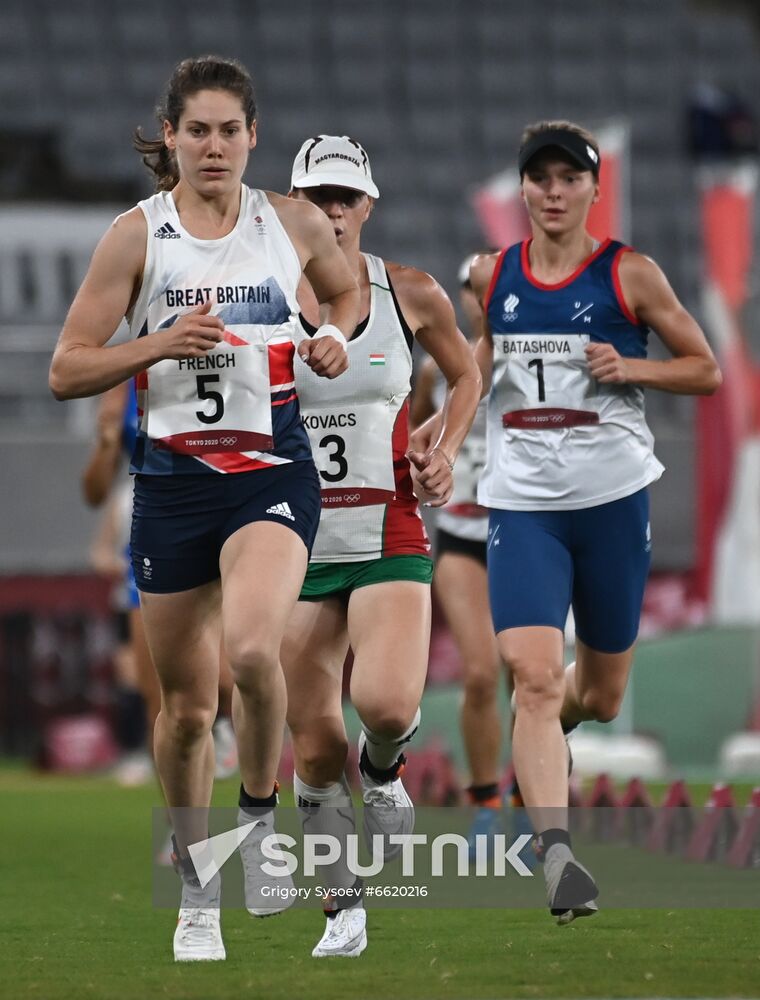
<point>339,579</point>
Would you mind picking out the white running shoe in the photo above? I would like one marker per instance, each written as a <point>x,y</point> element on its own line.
<point>387,809</point>
<point>345,935</point>
<point>134,769</point>
<point>265,895</point>
<point>225,748</point>
<point>570,889</point>
<point>198,937</point>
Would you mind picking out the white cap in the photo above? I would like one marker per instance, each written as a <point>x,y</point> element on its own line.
<point>333,160</point>
<point>463,274</point>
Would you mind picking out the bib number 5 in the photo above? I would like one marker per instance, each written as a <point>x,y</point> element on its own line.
<point>202,382</point>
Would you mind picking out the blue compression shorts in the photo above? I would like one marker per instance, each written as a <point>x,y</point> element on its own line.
<point>130,587</point>
<point>596,559</point>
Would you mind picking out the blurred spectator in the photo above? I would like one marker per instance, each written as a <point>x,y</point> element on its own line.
<point>721,126</point>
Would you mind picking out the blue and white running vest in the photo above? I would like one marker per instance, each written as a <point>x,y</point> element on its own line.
<point>556,438</point>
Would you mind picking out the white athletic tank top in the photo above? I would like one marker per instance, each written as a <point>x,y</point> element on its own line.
<point>358,428</point>
<point>235,408</point>
<point>463,516</point>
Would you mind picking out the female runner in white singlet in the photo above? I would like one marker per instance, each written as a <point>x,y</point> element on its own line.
<point>460,584</point>
<point>226,493</point>
<point>368,582</point>
<point>569,459</point>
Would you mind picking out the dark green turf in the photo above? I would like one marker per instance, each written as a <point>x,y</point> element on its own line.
<point>76,921</point>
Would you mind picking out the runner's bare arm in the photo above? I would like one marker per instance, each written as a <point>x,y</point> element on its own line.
<point>104,459</point>
<point>330,277</point>
<point>650,299</point>
<point>429,312</point>
<point>481,273</point>
<point>422,405</point>
<point>82,365</point>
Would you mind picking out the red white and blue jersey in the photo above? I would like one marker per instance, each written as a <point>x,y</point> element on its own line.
<point>235,409</point>
<point>556,438</point>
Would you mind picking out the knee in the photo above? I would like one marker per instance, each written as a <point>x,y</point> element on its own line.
<point>388,721</point>
<point>189,721</point>
<point>480,687</point>
<point>602,706</point>
<point>320,755</point>
<point>253,658</point>
<point>538,685</point>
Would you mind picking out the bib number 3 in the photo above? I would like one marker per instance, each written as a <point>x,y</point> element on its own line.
<point>336,457</point>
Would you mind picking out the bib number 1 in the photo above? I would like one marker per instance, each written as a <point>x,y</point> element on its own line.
<point>538,364</point>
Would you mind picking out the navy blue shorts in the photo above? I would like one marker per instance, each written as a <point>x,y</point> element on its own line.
<point>596,559</point>
<point>180,523</point>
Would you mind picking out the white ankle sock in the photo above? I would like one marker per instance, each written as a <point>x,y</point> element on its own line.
<point>382,752</point>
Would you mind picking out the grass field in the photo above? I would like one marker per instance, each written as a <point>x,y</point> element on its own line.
<point>77,921</point>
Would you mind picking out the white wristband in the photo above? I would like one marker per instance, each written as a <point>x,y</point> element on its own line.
<point>328,330</point>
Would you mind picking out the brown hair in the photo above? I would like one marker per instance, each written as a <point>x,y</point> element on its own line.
<point>189,77</point>
<point>531,131</point>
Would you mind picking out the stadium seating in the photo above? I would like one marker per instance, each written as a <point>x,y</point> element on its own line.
<point>438,92</point>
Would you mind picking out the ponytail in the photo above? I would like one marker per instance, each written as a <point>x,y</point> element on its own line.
<point>158,158</point>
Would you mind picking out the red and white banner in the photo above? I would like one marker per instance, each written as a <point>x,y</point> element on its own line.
<point>728,424</point>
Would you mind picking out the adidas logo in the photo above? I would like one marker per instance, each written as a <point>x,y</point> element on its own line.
<point>282,509</point>
<point>166,232</point>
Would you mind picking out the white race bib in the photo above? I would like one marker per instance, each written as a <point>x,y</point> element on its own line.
<point>353,452</point>
<point>470,463</point>
<point>548,369</point>
<point>220,401</point>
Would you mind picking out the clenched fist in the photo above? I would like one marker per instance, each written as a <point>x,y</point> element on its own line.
<point>325,355</point>
<point>192,335</point>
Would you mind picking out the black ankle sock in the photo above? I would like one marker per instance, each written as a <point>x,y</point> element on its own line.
<point>247,801</point>
<point>554,836</point>
<point>354,897</point>
<point>377,774</point>
<point>482,793</point>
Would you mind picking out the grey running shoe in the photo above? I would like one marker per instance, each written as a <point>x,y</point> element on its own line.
<point>265,895</point>
<point>387,807</point>
<point>570,889</point>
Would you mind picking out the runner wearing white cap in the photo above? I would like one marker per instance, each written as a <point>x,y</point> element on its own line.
<point>460,584</point>
<point>367,586</point>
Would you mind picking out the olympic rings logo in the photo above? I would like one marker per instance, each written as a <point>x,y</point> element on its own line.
<point>342,498</point>
<point>228,441</point>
